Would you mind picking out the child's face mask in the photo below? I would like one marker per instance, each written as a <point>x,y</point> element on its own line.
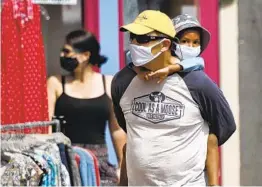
<point>184,52</point>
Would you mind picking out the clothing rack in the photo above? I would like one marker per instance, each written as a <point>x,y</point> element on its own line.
<point>55,123</point>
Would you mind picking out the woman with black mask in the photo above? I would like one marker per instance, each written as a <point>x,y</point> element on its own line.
<point>84,99</point>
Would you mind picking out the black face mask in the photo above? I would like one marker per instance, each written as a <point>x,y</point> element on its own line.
<point>69,64</point>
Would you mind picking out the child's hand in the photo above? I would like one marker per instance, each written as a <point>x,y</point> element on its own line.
<point>161,74</point>
<point>143,75</point>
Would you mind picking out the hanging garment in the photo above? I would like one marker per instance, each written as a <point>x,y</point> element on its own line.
<point>39,164</point>
<point>92,162</point>
<point>108,176</point>
<point>77,158</point>
<point>87,169</point>
<point>34,159</point>
<point>21,171</point>
<point>73,168</point>
<point>43,165</point>
<point>23,71</point>
<point>65,178</point>
<point>96,164</point>
<point>43,150</point>
<point>63,155</point>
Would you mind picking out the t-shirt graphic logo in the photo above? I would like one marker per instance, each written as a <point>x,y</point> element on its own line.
<point>157,107</point>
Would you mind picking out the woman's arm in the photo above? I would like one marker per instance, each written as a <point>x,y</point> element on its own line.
<point>52,84</point>
<point>117,133</point>
<point>123,173</point>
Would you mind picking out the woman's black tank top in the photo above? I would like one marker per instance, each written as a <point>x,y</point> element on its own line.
<point>85,118</point>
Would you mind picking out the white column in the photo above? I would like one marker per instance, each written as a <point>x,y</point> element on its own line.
<point>229,83</point>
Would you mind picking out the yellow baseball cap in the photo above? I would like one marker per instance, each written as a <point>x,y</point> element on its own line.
<point>149,21</point>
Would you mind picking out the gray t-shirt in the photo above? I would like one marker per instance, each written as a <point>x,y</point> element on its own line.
<point>168,125</point>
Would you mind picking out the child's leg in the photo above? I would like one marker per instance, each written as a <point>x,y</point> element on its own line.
<point>212,161</point>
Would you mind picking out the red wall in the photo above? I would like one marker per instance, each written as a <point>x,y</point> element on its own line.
<point>209,18</point>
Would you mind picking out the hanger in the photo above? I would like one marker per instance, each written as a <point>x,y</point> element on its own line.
<point>44,12</point>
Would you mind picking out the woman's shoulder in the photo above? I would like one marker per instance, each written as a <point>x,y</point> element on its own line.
<point>54,79</point>
<point>108,81</point>
<point>109,78</point>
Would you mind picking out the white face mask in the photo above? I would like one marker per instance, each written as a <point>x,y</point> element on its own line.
<point>141,55</point>
<point>184,52</point>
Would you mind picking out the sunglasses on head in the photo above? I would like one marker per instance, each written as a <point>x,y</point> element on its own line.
<point>142,39</point>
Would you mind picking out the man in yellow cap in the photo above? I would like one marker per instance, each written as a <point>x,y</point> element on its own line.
<point>153,30</point>
<point>167,124</point>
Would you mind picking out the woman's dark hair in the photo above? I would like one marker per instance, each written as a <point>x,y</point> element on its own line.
<point>83,41</point>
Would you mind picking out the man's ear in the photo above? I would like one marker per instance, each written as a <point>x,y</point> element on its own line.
<point>166,45</point>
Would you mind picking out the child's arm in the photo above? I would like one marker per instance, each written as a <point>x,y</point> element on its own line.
<point>164,72</point>
<point>212,161</point>
<point>176,66</point>
<point>192,64</point>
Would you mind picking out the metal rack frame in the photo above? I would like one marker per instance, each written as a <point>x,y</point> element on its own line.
<point>18,126</point>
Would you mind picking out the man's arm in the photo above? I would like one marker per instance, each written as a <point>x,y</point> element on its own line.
<point>122,123</point>
<point>116,94</point>
<point>216,111</point>
<point>212,161</point>
<point>119,85</point>
<point>213,105</point>
<point>119,116</point>
<point>117,133</point>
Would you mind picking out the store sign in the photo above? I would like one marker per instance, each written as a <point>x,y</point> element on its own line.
<point>55,2</point>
